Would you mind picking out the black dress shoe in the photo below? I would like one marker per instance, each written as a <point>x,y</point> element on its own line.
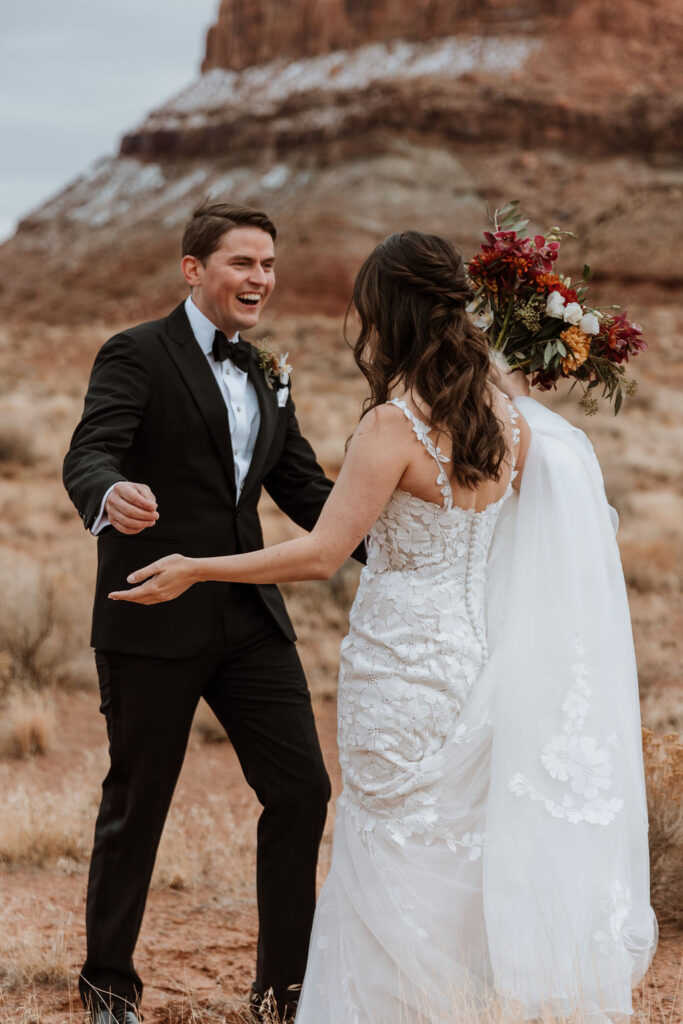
<point>267,1008</point>
<point>116,1014</point>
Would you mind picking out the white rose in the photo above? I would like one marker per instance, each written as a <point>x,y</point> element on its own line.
<point>573,313</point>
<point>482,320</point>
<point>284,368</point>
<point>589,324</point>
<point>555,305</point>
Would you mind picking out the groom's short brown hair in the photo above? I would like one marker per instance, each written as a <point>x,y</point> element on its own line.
<point>210,221</point>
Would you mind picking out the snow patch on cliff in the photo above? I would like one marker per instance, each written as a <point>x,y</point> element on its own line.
<point>265,87</point>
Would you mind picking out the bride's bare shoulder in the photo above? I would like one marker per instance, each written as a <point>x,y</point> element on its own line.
<point>384,418</point>
<point>382,425</point>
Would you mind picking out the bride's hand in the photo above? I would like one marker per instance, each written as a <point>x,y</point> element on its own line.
<point>170,577</point>
<point>514,384</point>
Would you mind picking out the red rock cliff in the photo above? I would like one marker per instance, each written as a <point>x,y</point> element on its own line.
<point>252,32</point>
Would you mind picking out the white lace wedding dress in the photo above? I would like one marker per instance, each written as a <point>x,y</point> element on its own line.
<point>490,844</point>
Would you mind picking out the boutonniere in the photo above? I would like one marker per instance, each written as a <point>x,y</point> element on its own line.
<point>275,369</point>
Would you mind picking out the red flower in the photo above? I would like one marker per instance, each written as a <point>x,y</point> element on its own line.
<point>547,251</point>
<point>620,338</point>
<point>504,260</point>
<point>544,380</point>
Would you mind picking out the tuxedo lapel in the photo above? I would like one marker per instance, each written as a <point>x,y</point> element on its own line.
<point>268,407</point>
<point>192,364</point>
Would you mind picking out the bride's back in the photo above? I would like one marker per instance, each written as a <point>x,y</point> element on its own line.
<point>420,477</point>
<point>411,297</point>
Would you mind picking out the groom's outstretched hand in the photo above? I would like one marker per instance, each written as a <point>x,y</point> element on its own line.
<point>131,508</point>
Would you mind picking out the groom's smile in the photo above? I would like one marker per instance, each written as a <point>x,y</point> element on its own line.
<point>233,284</point>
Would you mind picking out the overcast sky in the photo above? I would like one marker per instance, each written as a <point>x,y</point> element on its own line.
<point>75,75</point>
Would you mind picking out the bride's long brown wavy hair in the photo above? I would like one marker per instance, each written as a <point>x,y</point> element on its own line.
<point>411,296</point>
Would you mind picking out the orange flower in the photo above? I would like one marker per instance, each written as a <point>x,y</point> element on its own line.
<point>579,345</point>
<point>553,284</point>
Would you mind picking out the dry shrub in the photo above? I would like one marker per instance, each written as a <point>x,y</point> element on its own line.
<point>35,426</point>
<point>43,827</point>
<point>207,726</point>
<point>661,710</point>
<point>663,756</point>
<point>650,564</point>
<point>41,622</point>
<point>28,956</point>
<point>16,445</point>
<point>27,627</point>
<point>28,725</point>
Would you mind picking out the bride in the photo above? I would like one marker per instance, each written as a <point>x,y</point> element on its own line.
<point>490,846</point>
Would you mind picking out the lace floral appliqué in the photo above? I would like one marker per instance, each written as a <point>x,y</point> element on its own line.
<point>616,910</point>
<point>576,760</point>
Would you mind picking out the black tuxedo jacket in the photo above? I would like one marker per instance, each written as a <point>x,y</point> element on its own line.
<point>154,414</point>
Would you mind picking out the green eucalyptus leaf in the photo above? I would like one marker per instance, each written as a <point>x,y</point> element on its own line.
<point>561,347</point>
<point>587,272</point>
<point>536,360</point>
<point>505,210</point>
<point>618,400</point>
<point>549,330</point>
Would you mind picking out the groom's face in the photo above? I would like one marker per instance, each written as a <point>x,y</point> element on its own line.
<point>235,283</point>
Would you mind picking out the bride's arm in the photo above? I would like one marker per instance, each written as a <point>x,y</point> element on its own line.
<point>375,462</point>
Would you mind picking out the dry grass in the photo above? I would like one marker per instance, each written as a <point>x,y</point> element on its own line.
<point>664,780</point>
<point>42,828</point>
<point>653,563</point>
<point>29,956</point>
<point>202,844</point>
<point>28,725</point>
<point>205,844</point>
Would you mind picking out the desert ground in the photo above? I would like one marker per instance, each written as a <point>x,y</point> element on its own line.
<point>198,940</point>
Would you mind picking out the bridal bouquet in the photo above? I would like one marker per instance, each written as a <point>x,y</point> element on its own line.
<point>540,322</point>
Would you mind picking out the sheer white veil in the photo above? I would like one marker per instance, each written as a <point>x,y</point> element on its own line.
<point>566,871</point>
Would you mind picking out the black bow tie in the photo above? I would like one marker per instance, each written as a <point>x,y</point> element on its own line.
<point>238,352</point>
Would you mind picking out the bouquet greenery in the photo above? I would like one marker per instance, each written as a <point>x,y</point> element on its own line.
<point>540,322</point>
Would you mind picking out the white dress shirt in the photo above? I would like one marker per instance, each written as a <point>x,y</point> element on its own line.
<point>239,395</point>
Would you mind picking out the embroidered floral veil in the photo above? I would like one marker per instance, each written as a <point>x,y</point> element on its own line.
<point>565,872</point>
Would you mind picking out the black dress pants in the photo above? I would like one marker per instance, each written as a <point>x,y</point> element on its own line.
<point>251,677</point>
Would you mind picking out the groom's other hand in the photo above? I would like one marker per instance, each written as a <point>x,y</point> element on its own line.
<point>131,508</point>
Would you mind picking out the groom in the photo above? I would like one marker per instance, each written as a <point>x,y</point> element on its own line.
<point>183,424</point>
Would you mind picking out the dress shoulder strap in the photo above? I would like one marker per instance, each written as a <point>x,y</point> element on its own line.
<point>422,432</point>
<point>516,434</point>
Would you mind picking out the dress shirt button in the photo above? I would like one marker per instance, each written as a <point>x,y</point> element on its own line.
<point>239,408</point>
